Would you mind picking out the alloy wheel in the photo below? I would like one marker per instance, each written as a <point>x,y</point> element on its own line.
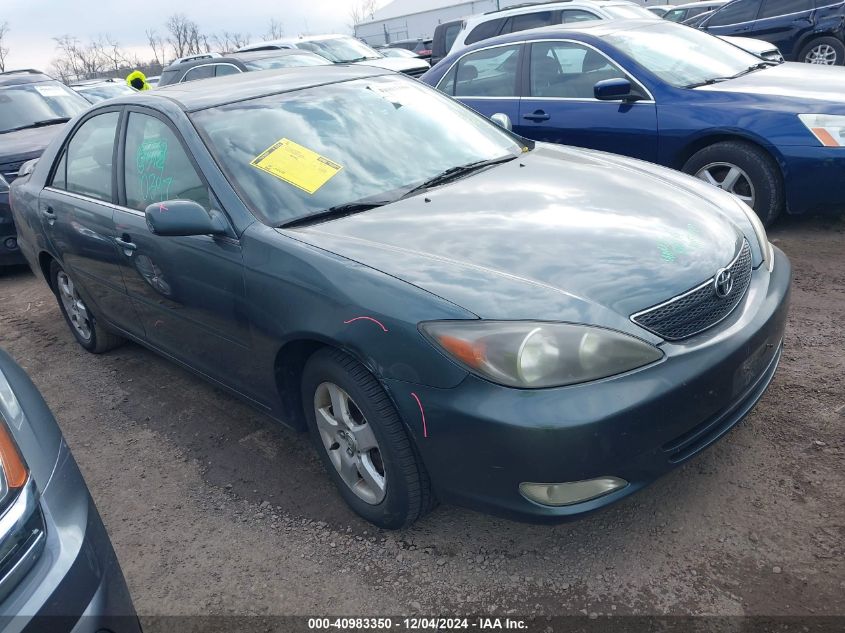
<point>350,443</point>
<point>730,178</point>
<point>75,308</point>
<point>822,54</point>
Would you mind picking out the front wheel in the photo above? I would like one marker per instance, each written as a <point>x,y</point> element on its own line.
<point>827,51</point>
<point>82,323</point>
<point>362,442</point>
<point>745,171</point>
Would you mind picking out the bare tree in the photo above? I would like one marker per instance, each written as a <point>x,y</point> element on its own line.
<point>229,41</point>
<point>276,30</point>
<point>157,44</point>
<point>182,35</point>
<point>4,50</point>
<point>79,61</point>
<point>110,51</point>
<point>362,11</point>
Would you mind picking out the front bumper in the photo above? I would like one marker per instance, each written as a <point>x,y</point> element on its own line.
<point>483,440</point>
<point>76,584</point>
<point>10,255</point>
<point>813,178</point>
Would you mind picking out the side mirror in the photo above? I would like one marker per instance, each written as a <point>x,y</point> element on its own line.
<point>615,90</point>
<point>183,217</point>
<point>502,120</point>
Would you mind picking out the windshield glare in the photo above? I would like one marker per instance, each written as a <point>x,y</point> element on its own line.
<point>286,61</point>
<point>23,105</point>
<point>680,55</point>
<point>381,135</point>
<point>340,50</point>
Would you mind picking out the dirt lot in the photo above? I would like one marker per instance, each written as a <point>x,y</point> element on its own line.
<point>214,509</point>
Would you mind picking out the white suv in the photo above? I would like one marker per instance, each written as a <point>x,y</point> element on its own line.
<point>483,26</point>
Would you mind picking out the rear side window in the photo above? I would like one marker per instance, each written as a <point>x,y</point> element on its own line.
<point>487,73</point>
<point>736,12</point>
<point>199,72</point>
<point>775,8</point>
<point>530,21</point>
<point>485,31</point>
<point>85,166</point>
<point>676,15</point>
<point>156,167</point>
<point>221,70</point>
<point>571,16</point>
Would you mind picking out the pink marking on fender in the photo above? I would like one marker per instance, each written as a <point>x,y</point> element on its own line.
<point>162,208</point>
<point>366,318</point>
<point>422,413</point>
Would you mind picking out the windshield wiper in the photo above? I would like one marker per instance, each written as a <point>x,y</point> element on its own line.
<point>747,71</point>
<point>43,123</point>
<point>456,172</point>
<point>339,211</point>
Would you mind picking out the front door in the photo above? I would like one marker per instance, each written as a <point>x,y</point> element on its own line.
<point>784,23</point>
<point>188,291</point>
<point>559,105</point>
<point>76,211</point>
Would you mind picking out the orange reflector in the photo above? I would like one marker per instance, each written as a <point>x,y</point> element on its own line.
<point>10,459</point>
<point>470,353</point>
<point>825,137</point>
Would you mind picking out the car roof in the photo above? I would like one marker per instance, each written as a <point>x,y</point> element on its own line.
<point>96,82</point>
<point>692,5</point>
<point>519,9</point>
<point>207,93</point>
<point>293,40</point>
<point>24,76</point>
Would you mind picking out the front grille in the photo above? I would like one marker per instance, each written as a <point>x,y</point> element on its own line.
<point>699,308</point>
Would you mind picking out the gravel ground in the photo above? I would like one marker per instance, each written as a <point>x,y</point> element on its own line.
<point>214,509</point>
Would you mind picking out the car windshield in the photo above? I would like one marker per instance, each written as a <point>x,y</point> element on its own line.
<point>101,92</point>
<point>32,105</point>
<point>340,49</point>
<point>286,61</point>
<point>682,56</point>
<point>628,12</point>
<point>300,153</point>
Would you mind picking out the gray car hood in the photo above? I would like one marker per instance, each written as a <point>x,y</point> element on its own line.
<point>559,233</point>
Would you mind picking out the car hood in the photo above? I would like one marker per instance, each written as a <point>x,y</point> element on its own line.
<point>557,234</point>
<point>750,44</point>
<point>25,145</point>
<point>804,82</point>
<point>399,64</point>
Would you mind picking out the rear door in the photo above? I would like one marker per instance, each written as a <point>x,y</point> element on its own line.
<point>487,80</point>
<point>188,291</point>
<point>784,23</point>
<point>76,210</point>
<point>735,18</point>
<point>559,105</point>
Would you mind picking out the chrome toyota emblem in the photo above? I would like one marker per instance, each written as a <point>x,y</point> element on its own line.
<point>723,283</point>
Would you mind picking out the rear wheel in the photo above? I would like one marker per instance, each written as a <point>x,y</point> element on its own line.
<point>81,321</point>
<point>745,171</point>
<point>827,51</point>
<point>362,442</point>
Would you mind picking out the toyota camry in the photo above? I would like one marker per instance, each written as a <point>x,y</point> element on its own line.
<point>453,312</point>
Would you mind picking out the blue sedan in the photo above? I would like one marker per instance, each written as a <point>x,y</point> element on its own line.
<point>769,133</point>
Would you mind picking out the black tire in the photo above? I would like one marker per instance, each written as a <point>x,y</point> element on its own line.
<point>761,169</point>
<point>835,45</point>
<point>408,494</point>
<point>100,339</point>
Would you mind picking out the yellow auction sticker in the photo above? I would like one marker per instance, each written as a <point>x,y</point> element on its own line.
<point>296,165</point>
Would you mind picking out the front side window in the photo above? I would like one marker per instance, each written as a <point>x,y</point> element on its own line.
<point>736,12</point>
<point>85,166</point>
<point>569,70</point>
<point>571,16</point>
<point>221,70</point>
<point>531,21</point>
<point>775,8</point>
<point>485,31</point>
<point>676,15</point>
<point>488,73</point>
<point>156,167</point>
<point>682,56</point>
<point>299,153</point>
<point>38,104</point>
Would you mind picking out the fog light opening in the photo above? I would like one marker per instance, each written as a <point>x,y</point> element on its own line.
<point>11,243</point>
<point>571,492</point>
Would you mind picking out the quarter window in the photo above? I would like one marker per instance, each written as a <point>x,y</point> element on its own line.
<point>569,70</point>
<point>736,12</point>
<point>487,73</point>
<point>156,166</point>
<point>86,164</point>
<point>775,8</point>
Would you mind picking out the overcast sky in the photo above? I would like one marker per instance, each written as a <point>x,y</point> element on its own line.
<point>34,23</point>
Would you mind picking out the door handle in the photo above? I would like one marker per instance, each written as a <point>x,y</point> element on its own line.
<point>49,214</point>
<point>537,115</point>
<point>125,242</point>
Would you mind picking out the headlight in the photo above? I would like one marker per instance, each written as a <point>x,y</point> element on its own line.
<point>4,186</point>
<point>535,355</point>
<point>766,249</point>
<point>829,129</point>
